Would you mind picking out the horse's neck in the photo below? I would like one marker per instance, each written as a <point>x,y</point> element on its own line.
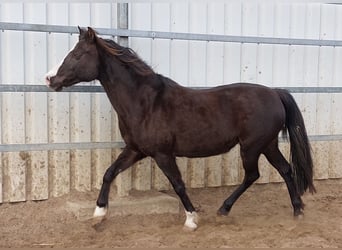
<point>120,96</point>
<point>127,91</point>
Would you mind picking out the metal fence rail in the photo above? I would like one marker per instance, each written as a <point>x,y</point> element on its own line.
<point>42,88</point>
<point>169,35</point>
<point>99,89</point>
<point>154,35</point>
<point>110,145</point>
<point>60,146</point>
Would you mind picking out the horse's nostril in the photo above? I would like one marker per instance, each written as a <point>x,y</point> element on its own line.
<point>47,80</point>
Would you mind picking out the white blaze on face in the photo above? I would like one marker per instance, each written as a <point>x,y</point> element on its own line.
<point>52,72</point>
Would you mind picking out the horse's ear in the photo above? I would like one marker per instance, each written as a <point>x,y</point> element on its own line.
<point>82,32</point>
<point>91,34</point>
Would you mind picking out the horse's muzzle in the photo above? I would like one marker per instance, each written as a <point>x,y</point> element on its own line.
<point>50,83</point>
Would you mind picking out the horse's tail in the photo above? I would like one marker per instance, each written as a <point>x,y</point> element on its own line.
<point>300,151</point>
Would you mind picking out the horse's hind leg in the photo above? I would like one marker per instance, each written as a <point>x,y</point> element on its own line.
<point>169,167</point>
<point>275,157</point>
<point>126,159</point>
<point>250,165</point>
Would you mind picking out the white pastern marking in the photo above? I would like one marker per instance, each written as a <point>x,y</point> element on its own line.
<point>100,211</point>
<point>191,220</point>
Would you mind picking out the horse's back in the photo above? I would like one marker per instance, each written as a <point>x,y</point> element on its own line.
<point>210,121</point>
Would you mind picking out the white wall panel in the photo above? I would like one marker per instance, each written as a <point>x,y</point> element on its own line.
<point>264,70</point>
<point>280,54</point>
<point>179,54</point>
<point>329,31</point>
<point>36,103</point>
<point>59,107</point>
<point>215,50</point>
<point>249,51</point>
<point>232,55</point>
<point>13,113</point>
<point>311,78</point>
<point>197,49</point>
<point>2,60</point>
<point>310,71</point>
<point>335,156</point>
<point>325,77</point>
<point>160,54</point>
<point>140,16</point>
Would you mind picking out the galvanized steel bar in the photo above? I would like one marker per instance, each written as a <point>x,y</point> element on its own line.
<point>110,145</point>
<point>99,89</point>
<point>169,35</point>
<point>336,137</point>
<point>311,90</point>
<point>325,137</point>
<point>43,88</point>
<point>59,146</point>
<point>38,28</point>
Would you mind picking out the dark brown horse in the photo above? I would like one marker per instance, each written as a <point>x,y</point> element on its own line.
<point>163,120</point>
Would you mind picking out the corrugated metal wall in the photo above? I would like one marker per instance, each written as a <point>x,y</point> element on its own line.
<point>85,117</point>
<point>195,63</point>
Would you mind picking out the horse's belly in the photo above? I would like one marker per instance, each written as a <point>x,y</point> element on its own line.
<point>204,147</point>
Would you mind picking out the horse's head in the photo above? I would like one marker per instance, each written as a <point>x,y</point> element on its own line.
<point>80,65</point>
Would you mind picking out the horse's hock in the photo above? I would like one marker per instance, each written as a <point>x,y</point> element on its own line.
<point>141,203</point>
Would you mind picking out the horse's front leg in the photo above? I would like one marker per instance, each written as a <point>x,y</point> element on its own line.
<point>126,159</point>
<point>169,167</point>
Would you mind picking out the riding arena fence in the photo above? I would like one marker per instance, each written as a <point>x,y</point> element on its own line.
<point>53,143</point>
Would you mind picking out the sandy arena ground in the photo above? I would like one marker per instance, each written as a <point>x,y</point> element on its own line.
<point>262,217</point>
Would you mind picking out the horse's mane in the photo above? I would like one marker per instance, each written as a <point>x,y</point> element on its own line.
<point>126,56</point>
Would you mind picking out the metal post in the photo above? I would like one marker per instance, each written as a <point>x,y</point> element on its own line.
<point>122,18</point>
<point>124,179</point>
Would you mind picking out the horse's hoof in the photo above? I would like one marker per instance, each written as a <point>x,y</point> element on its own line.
<point>98,223</point>
<point>299,215</point>
<point>189,229</point>
<point>99,216</point>
<point>222,212</point>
